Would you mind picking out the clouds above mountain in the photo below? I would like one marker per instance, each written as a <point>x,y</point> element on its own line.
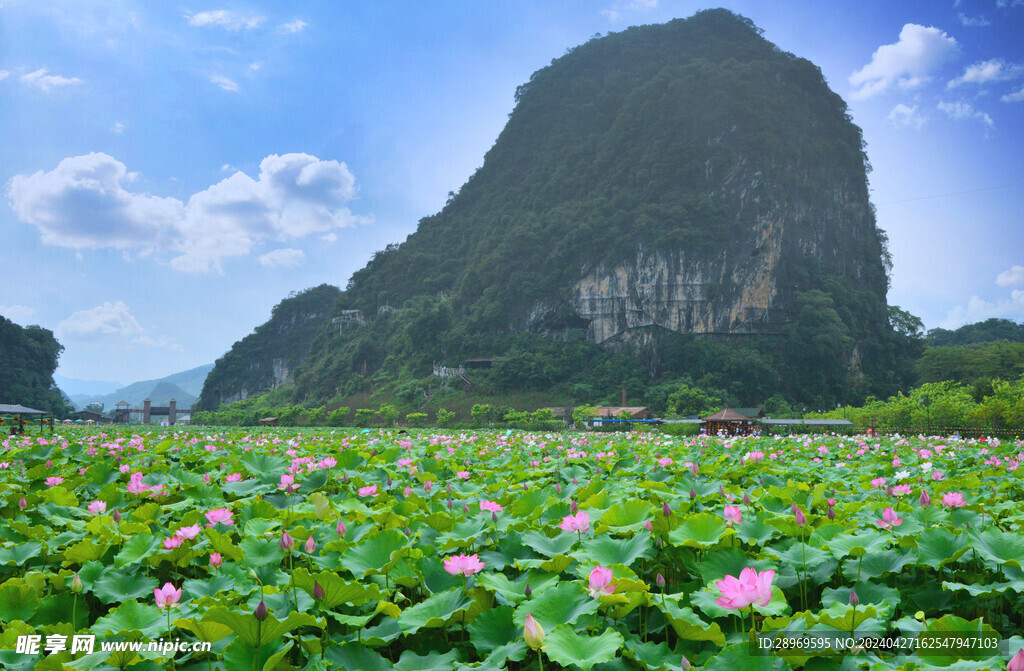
<point>907,63</point>
<point>88,202</point>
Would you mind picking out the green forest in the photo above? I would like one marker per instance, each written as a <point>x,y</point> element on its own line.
<point>26,370</point>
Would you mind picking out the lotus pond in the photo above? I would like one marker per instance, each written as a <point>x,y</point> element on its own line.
<point>373,549</point>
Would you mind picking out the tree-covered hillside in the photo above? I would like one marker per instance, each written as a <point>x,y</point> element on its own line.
<point>28,360</point>
<point>678,201</point>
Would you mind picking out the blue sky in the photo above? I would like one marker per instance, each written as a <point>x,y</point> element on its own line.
<point>171,171</point>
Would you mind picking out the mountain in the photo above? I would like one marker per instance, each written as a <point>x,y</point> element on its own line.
<point>184,387</point>
<point>677,200</point>
<point>85,388</point>
<point>266,358</point>
<point>26,368</point>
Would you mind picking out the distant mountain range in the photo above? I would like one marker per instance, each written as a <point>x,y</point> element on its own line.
<point>184,387</point>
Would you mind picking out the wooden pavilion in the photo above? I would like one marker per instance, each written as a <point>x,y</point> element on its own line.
<point>728,421</point>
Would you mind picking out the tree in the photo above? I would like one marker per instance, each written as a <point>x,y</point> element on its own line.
<point>388,413</point>
<point>687,400</point>
<point>338,416</point>
<point>445,417</point>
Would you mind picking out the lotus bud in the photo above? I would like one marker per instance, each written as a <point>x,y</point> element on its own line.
<point>341,528</point>
<point>22,504</point>
<point>659,580</point>
<point>49,463</point>
<point>684,663</point>
<point>450,504</point>
<point>573,508</point>
<point>657,543</point>
<point>533,633</point>
<point>116,515</point>
<point>389,482</point>
<point>888,490</point>
<point>465,509</point>
<point>831,514</point>
<point>216,560</point>
<point>648,525</point>
<point>318,591</point>
<point>693,469</point>
<point>407,531</point>
<point>407,492</point>
<point>746,499</point>
<point>693,493</point>
<point>721,491</point>
<point>793,508</point>
<point>449,488</point>
<point>310,544</point>
<point>206,478</point>
<point>1017,663</point>
<point>854,599</point>
<point>925,500</point>
<point>526,487</point>
<point>428,485</point>
<point>665,509</point>
<point>801,519</point>
<point>76,584</point>
<point>575,481</point>
<point>528,591</point>
<point>494,517</point>
<point>373,453</point>
<point>558,488</point>
<point>287,542</point>
<point>261,611</point>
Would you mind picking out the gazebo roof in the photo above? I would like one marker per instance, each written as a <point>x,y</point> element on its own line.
<point>15,409</point>
<point>727,415</point>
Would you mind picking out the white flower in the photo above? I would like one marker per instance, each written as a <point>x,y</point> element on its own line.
<point>926,466</point>
<point>902,475</point>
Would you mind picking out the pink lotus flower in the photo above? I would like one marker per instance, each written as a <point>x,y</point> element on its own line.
<point>53,481</point>
<point>953,500</point>
<point>491,506</point>
<point>167,596</point>
<point>287,483</point>
<point>187,533</point>
<point>733,515</point>
<point>234,477</point>
<point>216,560</point>
<point>889,519</point>
<point>465,565</point>
<point>938,475</point>
<point>666,461</point>
<point>1016,664</point>
<point>462,475</point>
<point>601,581</point>
<point>219,516</point>
<point>579,522</point>
<point>533,633</point>
<point>368,490</point>
<point>172,542</point>
<point>98,507</point>
<point>877,482</point>
<point>749,588</point>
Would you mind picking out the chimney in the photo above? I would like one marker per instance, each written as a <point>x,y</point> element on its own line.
<point>146,404</point>
<point>172,411</point>
<point>623,396</point>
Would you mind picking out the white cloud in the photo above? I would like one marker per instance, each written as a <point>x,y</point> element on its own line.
<point>1014,97</point>
<point>902,116</point>
<point>993,70</point>
<point>45,82</point>
<point>908,62</point>
<point>223,82</point>
<point>109,324</point>
<point>4,74</point>
<point>282,258</point>
<point>1012,277</point>
<point>974,21</point>
<point>979,309</point>
<point>296,26</point>
<point>224,18</point>
<point>118,127</point>
<point>85,203</point>
<point>19,314</point>
<point>962,110</point>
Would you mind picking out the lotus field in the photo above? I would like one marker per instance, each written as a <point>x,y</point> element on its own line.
<point>375,549</point>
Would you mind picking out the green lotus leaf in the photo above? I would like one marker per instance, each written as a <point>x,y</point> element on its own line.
<point>566,647</point>
<point>240,655</point>
<point>564,603</point>
<point>729,561</point>
<point>493,628</point>
<point>336,589</point>
<point>217,583</point>
<point>687,624</point>
<point>955,640</point>
<point>434,611</point>
<point>560,544</point>
<point>266,467</point>
<point>858,544</point>
<point>18,602</point>
<point>756,529</point>
<point>20,554</point>
<point>132,616</point>
<point>627,515</point>
<point>117,585</point>
<point>376,554</point>
<point>878,564</point>
<point>515,592</point>
<point>254,632</point>
<point>702,530</point>
<point>432,661</point>
<point>136,549</point>
<point>204,630</point>
<point>739,656</point>
<point>937,547</point>
<point>84,551</point>
<point>259,551</point>
<point>653,656</point>
<point>356,656</point>
<point>1001,547</point>
<point>605,550</point>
